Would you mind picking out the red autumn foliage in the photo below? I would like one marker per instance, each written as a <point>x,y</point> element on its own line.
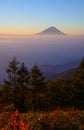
<point>16,123</point>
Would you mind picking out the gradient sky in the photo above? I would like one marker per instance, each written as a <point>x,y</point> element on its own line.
<point>32,16</point>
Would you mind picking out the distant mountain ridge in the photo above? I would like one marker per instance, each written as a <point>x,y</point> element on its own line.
<point>68,74</point>
<point>52,72</point>
<point>51,31</point>
<point>59,68</point>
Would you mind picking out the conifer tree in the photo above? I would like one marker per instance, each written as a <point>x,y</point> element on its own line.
<point>11,81</point>
<point>12,72</point>
<point>21,90</point>
<point>23,76</point>
<point>37,79</point>
<point>38,89</point>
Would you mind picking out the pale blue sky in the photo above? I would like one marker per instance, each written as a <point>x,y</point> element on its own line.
<point>31,16</point>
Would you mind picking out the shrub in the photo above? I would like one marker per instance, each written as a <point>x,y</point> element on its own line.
<point>70,119</point>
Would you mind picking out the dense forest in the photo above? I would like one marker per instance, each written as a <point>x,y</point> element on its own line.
<point>27,91</point>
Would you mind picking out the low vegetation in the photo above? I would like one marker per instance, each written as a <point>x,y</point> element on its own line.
<point>70,119</point>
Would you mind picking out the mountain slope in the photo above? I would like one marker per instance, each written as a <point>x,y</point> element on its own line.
<point>51,31</point>
<point>68,74</point>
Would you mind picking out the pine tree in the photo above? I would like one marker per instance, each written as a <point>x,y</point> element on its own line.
<point>23,76</point>
<point>37,79</point>
<point>11,81</point>
<point>12,73</point>
<point>38,89</point>
<point>21,90</point>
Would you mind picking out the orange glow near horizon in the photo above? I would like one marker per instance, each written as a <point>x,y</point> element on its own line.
<point>17,31</point>
<point>26,17</point>
<point>30,31</point>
